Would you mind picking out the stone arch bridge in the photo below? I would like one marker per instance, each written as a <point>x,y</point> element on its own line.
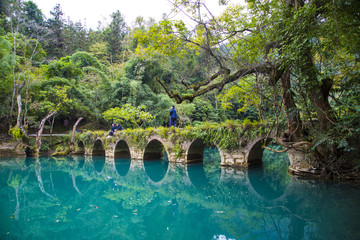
<point>144,146</point>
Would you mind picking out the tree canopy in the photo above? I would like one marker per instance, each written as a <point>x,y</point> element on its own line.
<point>294,64</point>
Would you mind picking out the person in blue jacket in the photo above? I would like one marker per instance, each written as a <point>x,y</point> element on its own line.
<point>118,127</point>
<point>173,116</point>
<point>113,128</point>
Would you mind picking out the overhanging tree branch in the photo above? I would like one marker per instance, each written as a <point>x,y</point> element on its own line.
<point>264,68</point>
<point>207,81</point>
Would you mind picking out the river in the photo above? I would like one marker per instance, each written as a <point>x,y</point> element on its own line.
<point>84,197</point>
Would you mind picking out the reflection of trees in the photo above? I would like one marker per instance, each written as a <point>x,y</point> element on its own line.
<point>39,178</point>
<point>275,168</point>
<point>206,174</point>
<point>99,162</point>
<point>73,177</point>
<point>134,201</point>
<point>270,179</point>
<point>129,207</point>
<point>16,182</point>
<point>211,164</point>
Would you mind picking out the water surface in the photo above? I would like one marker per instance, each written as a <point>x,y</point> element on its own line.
<point>97,198</point>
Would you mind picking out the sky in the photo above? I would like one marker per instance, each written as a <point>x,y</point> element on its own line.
<point>91,11</point>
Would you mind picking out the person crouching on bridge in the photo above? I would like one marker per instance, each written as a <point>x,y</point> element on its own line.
<point>118,127</point>
<point>173,116</point>
<point>113,128</point>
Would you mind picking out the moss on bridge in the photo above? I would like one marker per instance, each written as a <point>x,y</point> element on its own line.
<point>227,135</point>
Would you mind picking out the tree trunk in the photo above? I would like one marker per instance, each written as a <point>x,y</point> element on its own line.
<point>12,105</point>
<point>318,94</point>
<point>19,103</point>
<point>259,108</point>
<point>14,80</point>
<point>73,133</point>
<point>39,133</point>
<point>51,128</point>
<point>26,105</point>
<point>294,132</point>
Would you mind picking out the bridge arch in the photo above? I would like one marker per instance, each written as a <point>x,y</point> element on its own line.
<point>80,148</point>
<point>122,149</point>
<point>267,180</point>
<point>206,170</point>
<point>155,149</point>
<point>195,152</point>
<point>255,150</point>
<point>122,157</point>
<point>156,161</point>
<point>98,148</point>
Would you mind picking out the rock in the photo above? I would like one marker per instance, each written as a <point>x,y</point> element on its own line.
<point>11,149</point>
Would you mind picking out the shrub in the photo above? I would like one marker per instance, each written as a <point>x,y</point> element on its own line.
<point>16,133</point>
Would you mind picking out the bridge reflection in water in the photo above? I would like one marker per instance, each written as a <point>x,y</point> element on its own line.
<point>99,162</point>
<point>206,173</point>
<point>270,178</point>
<point>122,165</point>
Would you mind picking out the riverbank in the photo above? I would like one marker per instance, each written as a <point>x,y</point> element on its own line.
<point>11,149</point>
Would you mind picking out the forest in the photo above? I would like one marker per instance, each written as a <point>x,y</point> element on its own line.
<point>293,64</point>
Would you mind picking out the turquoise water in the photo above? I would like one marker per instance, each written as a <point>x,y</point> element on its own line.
<point>96,198</point>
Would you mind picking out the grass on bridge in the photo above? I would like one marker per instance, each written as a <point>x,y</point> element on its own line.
<point>226,135</point>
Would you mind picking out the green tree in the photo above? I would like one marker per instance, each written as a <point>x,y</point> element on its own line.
<point>63,68</point>
<point>246,93</point>
<point>100,51</point>
<point>34,20</point>
<point>290,43</point>
<point>5,78</point>
<point>25,51</point>
<point>90,83</point>
<point>114,35</point>
<point>55,40</point>
<point>128,115</point>
<point>60,95</point>
<point>144,71</point>
<point>75,38</point>
<point>203,110</point>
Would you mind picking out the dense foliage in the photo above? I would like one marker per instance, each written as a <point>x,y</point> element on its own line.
<point>293,65</point>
